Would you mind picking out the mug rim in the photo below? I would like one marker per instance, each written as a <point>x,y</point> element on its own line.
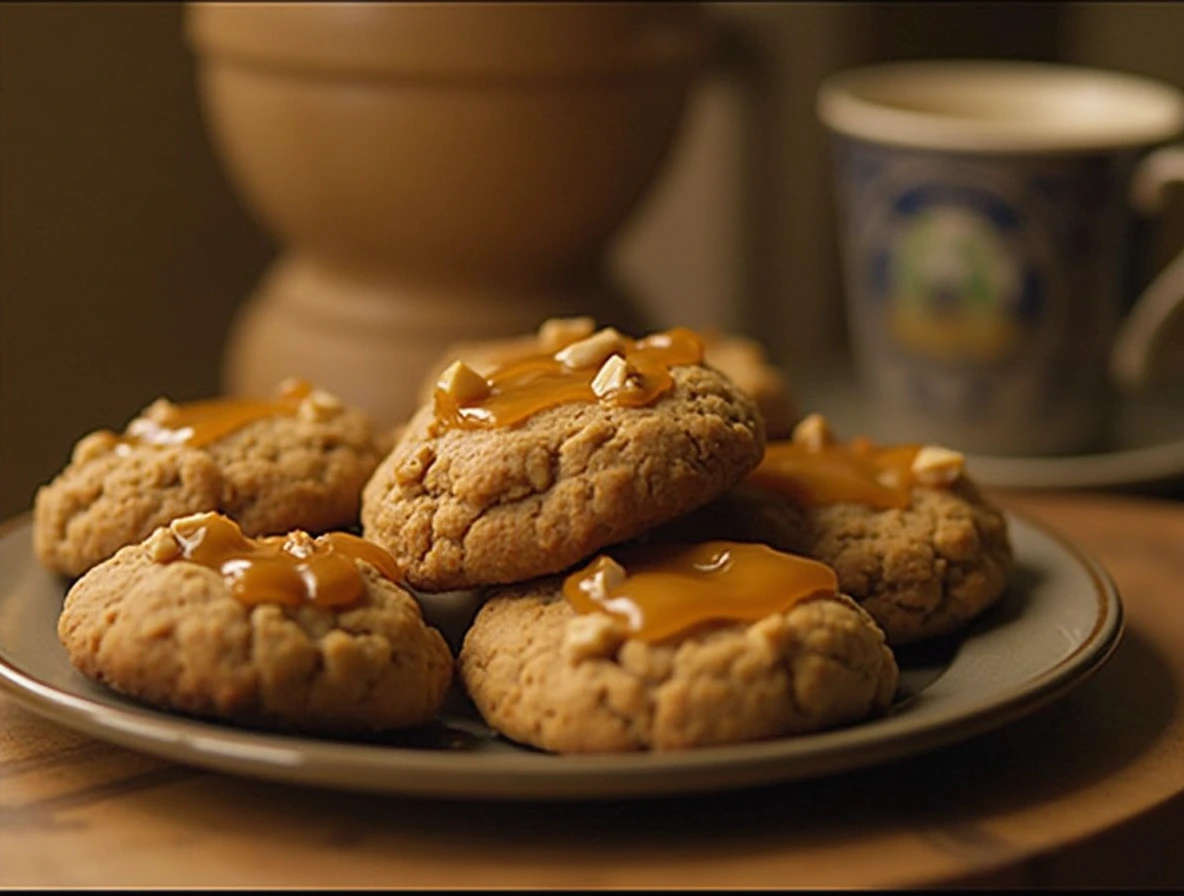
<point>888,103</point>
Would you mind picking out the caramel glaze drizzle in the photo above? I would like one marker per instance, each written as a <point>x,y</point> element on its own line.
<point>293,569</point>
<point>670,588</point>
<point>523,388</point>
<point>858,472</point>
<point>200,422</point>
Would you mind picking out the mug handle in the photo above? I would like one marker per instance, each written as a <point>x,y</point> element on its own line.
<point>1130,358</point>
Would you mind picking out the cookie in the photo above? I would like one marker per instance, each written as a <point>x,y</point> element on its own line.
<point>295,463</point>
<point>745,362</point>
<point>543,674</point>
<point>463,506</point>
<point>162,623</point>
<point>741,359</point>
<point>923,569</point>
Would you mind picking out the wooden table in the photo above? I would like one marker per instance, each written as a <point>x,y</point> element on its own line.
<point>1088,791</point>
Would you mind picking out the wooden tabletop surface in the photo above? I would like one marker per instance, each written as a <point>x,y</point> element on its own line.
<point>1088,791</point>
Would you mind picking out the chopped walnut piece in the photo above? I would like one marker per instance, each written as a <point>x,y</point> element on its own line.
<point>157,412</point>
<point>185,529</point>
<point>613,375</point>
<point>609,574</point>
<point>593,350</point>
<point>319,406</point>
<point>559,332</point>
<point>162,545</point>
<point>935,465</point>
<point>299,544</point>
<point>182,526</point>
<point>463,383</point>
<point>813,433</point>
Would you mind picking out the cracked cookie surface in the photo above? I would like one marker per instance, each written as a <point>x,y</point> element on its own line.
<point>462,508</point>
<point>922,571</point>
<point>172,634</point>
<point>543,675</point>
<point>271,475</point>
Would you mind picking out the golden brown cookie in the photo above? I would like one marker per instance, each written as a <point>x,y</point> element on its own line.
<point>544,675</point>
<point>462,508</point>
<point>923,569</point>
<point>301,467</point>
<point>156,624</point>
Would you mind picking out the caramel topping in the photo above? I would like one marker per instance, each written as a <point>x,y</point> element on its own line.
<point>666,589</point>
<point>858,472</point>
<point>201,422</point>
<point>293,569</point>
<point>524,387</point>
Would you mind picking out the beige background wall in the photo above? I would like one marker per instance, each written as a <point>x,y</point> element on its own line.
<point>124,252</point>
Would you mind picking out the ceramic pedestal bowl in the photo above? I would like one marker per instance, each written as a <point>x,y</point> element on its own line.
<point>434,172</point>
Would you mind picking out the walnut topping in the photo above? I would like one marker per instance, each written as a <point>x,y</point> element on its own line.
<point>613,375</point>
<point>592,351</point>
<point>182,533</point>
<point>589,636</point>
<point>463,383</point>
<point>183,526</point>
<point>157,412</point>
<point>935,465</point>
<point>609,574</point>
<point>299,544</point>
<point>559,332</point>
<point>319,406</point>
<point>813,433</point>
<point>162,545</point>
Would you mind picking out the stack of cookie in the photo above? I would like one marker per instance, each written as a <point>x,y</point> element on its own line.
<point>573,443</point>
<point>656,570</point>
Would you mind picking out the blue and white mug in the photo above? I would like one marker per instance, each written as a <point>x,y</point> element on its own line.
<point>988,235</point>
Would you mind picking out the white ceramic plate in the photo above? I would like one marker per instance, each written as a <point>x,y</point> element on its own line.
<point>1059,622</point>
<point>1148,444</point>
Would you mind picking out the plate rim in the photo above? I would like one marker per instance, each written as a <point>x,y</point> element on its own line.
<point>533,775</point>
<point>1159,463</point>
